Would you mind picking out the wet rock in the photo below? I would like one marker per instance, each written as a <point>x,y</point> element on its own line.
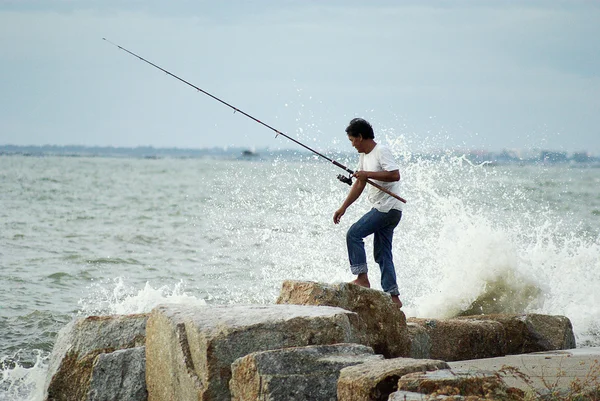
<point>302,373</point>
<point>378,379</point>
<point>525,333</point>
<point>120,375</point>
<point>487,336</point>
<point>412,396</point>
<point>420,342</point>
<point>383,324</point>
<point>78,345</point>
<point>465,383</point>
<point>462,339</point>
<point>190,349</point>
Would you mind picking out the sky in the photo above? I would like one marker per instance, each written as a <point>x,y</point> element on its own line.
<point>435,74</point>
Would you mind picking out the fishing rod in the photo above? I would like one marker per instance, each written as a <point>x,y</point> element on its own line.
<point>347,180</point>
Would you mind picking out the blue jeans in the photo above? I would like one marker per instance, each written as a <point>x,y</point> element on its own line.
<point>382,225</point>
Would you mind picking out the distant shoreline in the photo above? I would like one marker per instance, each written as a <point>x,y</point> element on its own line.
<point>149,152</point>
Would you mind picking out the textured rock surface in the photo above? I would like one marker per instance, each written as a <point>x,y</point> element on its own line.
<point>420,342</point>
<point>190,349</point>
<point>383,324</point>
<point>77,346</point>
<point>377,380</point>
<point>532,332</point>
<point>462,339</point>
<point>120,375</point>
<point>559,369</point>
<point>488,336</point>
<point>466,383</point>
<point>412,396</point>
<point>302,373</point>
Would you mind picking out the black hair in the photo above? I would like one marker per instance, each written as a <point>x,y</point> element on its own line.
<point>360,127</point>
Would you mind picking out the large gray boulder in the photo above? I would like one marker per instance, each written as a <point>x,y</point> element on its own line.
<point>460,339</point>
<point>402,395</point>
<point>301,373</point>
<point>532,332</point>
<point>420,341</point>
<point>488,336</point>
<point>120,375</point>
<point>383,324</point>
<point>78,346</point>
<point>467,383</point>
<point>376,380</point>
<point>190,348</point>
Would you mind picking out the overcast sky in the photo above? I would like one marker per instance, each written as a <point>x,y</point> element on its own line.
<point>467,74</point>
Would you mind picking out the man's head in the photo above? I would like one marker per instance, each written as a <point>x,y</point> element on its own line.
<point>360,133</point>
<point>359,127</point>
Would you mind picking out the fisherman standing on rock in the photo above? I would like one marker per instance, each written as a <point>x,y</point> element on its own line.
<point>377,168</point>
<point>376,163</point>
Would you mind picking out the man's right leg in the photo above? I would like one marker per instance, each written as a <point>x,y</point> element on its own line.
<point>364,227</point>
<point>382,252</point>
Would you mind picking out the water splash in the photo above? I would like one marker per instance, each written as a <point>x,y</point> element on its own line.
<point>115,297</point>
<point>20,382</point>
<point>483,239</point>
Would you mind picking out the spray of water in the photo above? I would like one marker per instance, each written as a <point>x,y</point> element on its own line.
<point>115,297</point>
<point>20,382</point>
<point>483,239</point>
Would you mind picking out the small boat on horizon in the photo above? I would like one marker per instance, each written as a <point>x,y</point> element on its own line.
<point>249,153</point>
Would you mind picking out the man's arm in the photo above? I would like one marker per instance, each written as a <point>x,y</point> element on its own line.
<point>355,191</point>
<point>385,176</point>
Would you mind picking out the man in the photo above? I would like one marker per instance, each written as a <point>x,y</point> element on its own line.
<point>376,163</point>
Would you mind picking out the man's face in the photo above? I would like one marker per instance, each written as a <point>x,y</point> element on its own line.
<point>356,142</point>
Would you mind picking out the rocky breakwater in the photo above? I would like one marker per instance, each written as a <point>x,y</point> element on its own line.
<point>99,358</point>
<point>318,342</point>
<point>189,350</point>
<point>382,323</point>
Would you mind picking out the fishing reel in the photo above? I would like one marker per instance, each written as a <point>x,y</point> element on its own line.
<point>344,179</point>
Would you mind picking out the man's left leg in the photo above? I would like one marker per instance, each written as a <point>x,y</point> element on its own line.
<point>364,227</point>
<point>382,250</point>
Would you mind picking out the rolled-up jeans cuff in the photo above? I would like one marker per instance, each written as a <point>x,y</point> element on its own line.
<point>359,269</point>
<point>393,291</point>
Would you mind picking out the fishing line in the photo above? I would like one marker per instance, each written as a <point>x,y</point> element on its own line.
<point>347,180</point>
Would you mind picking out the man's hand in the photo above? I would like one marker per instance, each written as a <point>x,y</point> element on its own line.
<point>338,215</point>
<point>355,191</point>
<point>361,175</point>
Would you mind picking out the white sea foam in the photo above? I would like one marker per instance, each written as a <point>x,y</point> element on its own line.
<point>495,239</point>
<point>19,383</point>
<point>116,297</point>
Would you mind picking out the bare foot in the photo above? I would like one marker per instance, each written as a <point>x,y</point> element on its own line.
<point>362,280</point>
<point>396,300</point>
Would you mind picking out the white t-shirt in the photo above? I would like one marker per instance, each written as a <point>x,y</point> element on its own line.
<point>381,159</point>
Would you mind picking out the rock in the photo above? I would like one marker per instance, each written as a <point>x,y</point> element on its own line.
<point>487,336</point>
<point>383,323</point>
<point>120,375</point>
<point>77,346</point>
<point>525,333</point>
<point>190,348</point>
<point>462,339</point>
<point>412,396</point>
<point>301,373</point>
<point>466,383</point>
<point>420,342</point>
<point>378,379</point>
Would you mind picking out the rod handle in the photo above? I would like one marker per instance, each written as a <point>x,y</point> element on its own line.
<point>379,187</point>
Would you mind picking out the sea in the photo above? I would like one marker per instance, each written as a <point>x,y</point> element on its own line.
<point>88,235</point>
